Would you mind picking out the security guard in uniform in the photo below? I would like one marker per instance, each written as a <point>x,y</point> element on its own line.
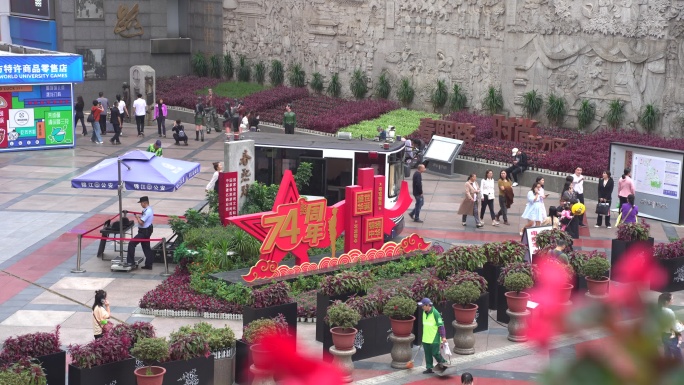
<point>145,229</point>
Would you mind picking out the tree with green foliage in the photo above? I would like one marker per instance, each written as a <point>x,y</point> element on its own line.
<point>277,73</point>
<point>297,75</point>
<point>358,85</point>
<point>317,82</point>
<point>614,116</point>
<point>260,72</point>
<point>228,65</point>
<point>648,118</point>
<point>458,99</point>
<point>493,101</point>
<point>199,64</point>
<point>556,109</point>
<point>439,96</point>
<point>216,68</point>
<point>334,87</point>
<point>532,103</point>
<point>585,114</point>
<point>244,70</point>
<point>405,93</point>
<point>384,87</point>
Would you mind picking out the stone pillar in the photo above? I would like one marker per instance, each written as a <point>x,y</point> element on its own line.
<point>401,350</point>
<point>464,339</point>
<point>344,361</point>
<point>239,156</point>
<point>261,377</point>
<point>517,326</point>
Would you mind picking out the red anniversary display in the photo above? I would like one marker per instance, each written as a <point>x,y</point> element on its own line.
<point>295,224</point>
<point>228,189</point>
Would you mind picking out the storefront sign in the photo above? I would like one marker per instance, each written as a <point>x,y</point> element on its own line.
<point>36,117</point>
<point>228,195</point>
<point>37,69</point>
<point>295,225</point>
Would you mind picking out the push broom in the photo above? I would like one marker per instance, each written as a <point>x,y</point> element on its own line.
<point>409,365</point>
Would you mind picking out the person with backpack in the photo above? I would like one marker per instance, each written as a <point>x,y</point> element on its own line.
<point>179,133</point>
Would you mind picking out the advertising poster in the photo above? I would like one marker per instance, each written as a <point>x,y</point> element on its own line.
<point>657,176</point>
<point>36,116</point>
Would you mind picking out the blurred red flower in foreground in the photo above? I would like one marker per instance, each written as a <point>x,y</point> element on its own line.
<point>290,367</point>
<point>547,320</point>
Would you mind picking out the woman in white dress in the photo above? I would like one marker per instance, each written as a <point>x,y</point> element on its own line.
<point>534,210</point>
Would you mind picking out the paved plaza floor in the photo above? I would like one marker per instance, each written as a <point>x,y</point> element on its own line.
<point>40,213</point>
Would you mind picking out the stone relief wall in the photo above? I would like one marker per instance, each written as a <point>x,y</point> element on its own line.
<point>632,50</point>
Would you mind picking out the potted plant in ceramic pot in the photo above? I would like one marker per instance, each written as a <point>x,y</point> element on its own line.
<point>44,347</point>
<point>671,257</point>
<point>150,351</point>
<point>257,330</point>
<point>628,235</point>
<point>516,298</point>
<point>595,271</point>
<point>482,302</point>
<point>464,295</point>
<point>23,372</point>
<point>340,286</point>
<point>342,320</point>
<point>502,301</point>
<point>400,310</point>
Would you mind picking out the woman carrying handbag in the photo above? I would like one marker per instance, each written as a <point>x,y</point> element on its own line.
<point>469,204</point>
<point>605,192</point>
<point>101,314</point>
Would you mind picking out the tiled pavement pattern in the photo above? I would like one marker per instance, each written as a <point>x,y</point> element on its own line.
<point>40,214</point>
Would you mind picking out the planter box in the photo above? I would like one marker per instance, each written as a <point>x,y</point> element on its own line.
<point>580,284</point>
<point>224,370</point>
<point>322,303</point>
<point>447,312</point>
<point>618,250</point>
<point>243,360</point>
<point>675,274</point>
<point>196,371</point>
<point>501,305</point>
<point>370,342</point>
<point>289,310</point>
<point>54,366</point>
<point>491,274</point>
<point>119,373</point>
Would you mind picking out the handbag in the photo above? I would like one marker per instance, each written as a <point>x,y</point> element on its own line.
<point>106,328</point>
<point>603,208</point>
<point>91,118</point>
<point>619,218</point>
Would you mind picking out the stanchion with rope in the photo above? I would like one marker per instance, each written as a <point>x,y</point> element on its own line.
<point>166,263</point>
<point>78,256</point>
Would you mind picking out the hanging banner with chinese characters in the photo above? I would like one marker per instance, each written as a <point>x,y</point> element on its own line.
<point>228,195</point>
<point>34,117</point>
<point>40,69</point>
<point>295,225</point>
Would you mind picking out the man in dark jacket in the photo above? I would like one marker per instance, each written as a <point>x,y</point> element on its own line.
<point>417,193</point>
<point>519,165</point>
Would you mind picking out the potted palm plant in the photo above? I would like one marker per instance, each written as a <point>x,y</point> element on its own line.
<point>516,298</point>
<point>342,320</point>
<point>400,310</point>
<point>595,270</point>
<point>150,351</point>
<point>628,235</point>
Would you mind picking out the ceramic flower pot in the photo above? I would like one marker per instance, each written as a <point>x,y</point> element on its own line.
<point>598,288</point>
<point>566,293</point>
<point>517,302</point>
<point>402,328</point>
<point>259,355</point>
<point>156,378</point>
<point>465,315</point>
<point>343,338</point>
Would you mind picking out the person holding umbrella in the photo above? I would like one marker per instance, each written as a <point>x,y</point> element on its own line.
<point>145,229</point>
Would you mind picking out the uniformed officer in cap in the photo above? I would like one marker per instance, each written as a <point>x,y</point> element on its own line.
<point>145,228</point>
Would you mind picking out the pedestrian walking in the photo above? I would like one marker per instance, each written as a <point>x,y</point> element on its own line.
<point>487,196</point>
<point>123,112</point>
<point>101,313</point>
<point>628,211</point>
<point>160,114</point>
<point>469,203</point>
<point>235,116</point>
<point>625,186</point>
<point>140,109</point>
<point>671,335</point>
<point>434,335</point>
<point>578,187</point>
<point>78,114</point>
<point>199,119</point>
<point>145,230</point>
<point>103,118</point>
<point>94,118</point>
<point>115,119</point>
<point>289,120</point>
<point>213,182</point>
<point>534,210</point>
<point>506,196</point>
<point>605,195</point>
<point>418,193</point>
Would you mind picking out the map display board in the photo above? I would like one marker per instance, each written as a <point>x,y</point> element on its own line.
<point>36,117</point>
<point>657,176</point>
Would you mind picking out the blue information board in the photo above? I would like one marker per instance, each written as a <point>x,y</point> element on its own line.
<point>37,69</point>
